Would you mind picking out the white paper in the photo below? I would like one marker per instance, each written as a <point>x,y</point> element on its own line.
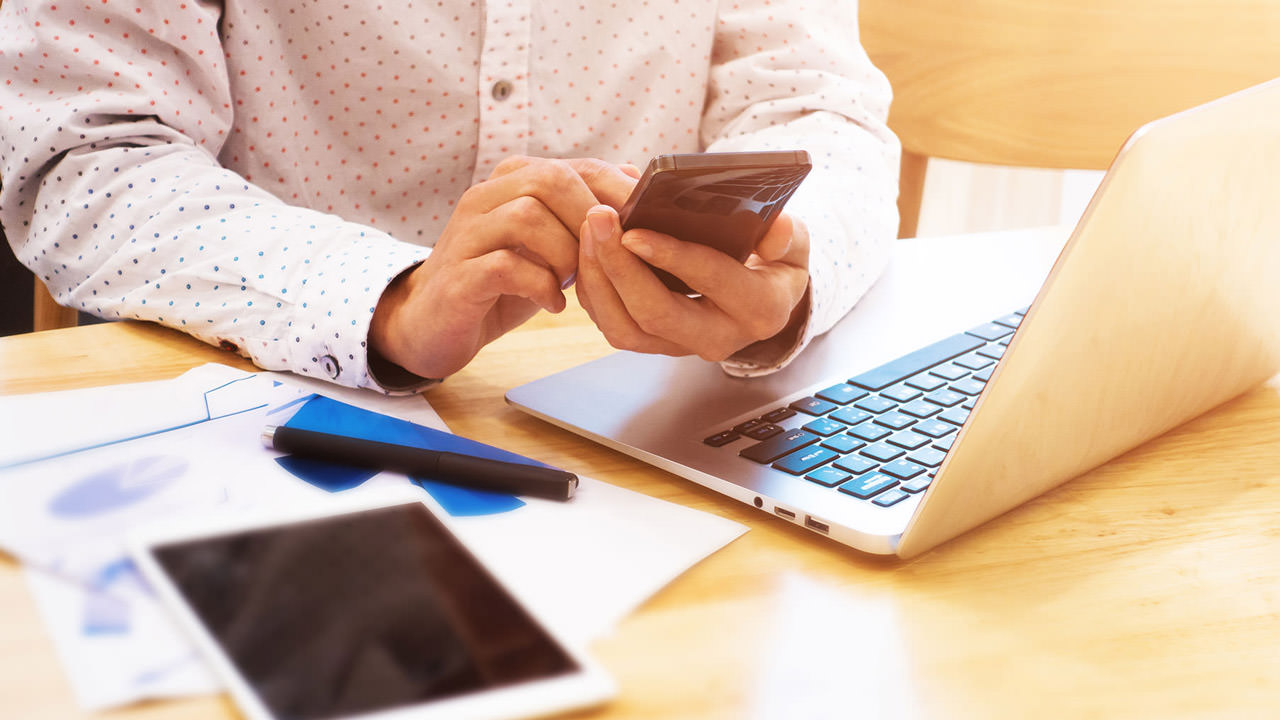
<point>581,565</point>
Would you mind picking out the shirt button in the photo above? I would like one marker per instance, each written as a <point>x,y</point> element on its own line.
<point>502,90</point>
<point>330,365</point>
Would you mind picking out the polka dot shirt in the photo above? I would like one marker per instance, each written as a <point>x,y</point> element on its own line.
<point>254,172</point>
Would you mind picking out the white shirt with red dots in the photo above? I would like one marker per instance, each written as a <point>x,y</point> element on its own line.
<point>255,172</point>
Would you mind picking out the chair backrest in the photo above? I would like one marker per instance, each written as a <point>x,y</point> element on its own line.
<point>46,313</point>
<point>1054,83</point>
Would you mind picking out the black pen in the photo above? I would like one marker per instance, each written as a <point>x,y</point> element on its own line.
<point>457,469</point>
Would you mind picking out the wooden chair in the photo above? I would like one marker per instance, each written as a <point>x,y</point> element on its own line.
<point>1054,83</point>
<point>46,314</point>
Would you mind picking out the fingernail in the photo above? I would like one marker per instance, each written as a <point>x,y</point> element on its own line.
<point>569,281</point>
<point>601,223</point>
<point>638,246</point>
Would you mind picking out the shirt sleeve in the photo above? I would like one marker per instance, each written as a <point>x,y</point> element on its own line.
<point>113,115</point>
<point>793,75</point>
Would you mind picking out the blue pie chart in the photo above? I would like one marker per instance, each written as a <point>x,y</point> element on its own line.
<point>117,486</point>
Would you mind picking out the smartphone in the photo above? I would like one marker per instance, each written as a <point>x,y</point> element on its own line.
<point>369,607</point>
<point>724,200</point>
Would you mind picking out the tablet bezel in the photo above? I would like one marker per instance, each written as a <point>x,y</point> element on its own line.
<point>587,687</point>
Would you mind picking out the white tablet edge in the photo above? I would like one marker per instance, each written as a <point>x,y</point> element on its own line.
<point>588,687</point>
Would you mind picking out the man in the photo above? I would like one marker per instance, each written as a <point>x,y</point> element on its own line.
<point>266,175</point>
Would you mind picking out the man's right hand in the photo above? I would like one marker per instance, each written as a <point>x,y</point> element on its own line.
<point>510,248</point>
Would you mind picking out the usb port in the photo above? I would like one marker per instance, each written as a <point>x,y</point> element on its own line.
<point>784,512</point>
<point>814,524</point>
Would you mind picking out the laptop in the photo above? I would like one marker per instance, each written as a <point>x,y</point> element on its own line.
<point>979,373</point>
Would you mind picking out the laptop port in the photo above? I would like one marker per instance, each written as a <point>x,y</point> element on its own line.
<point>784,512</point>
<point>815,524</point>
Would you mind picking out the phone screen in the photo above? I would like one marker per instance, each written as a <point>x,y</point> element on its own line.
<point>724,200</point>
<point>359,613</point>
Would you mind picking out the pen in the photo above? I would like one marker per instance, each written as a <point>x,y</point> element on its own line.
<point>455,468</point>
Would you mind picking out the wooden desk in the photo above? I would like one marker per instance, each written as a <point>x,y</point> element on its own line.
<point>1148,588</point>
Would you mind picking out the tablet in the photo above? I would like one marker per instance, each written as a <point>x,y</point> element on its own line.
<point>369,609</point>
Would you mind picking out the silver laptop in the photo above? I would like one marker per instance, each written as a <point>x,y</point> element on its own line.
<point>978,374</point>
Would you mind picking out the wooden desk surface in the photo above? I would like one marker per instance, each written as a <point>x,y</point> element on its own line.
<point>1149,587</point>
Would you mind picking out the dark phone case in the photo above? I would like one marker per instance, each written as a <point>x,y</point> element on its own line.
<point>724,200</point>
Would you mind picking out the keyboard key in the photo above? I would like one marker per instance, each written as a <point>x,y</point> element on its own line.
<point>990,331</point>
<point>915,362</point>
<point>901,393</point>
<point>841,394</point>
<point>804,460</point>
<point>915,485</point>
<point>950,372</point>
<point>934,428</point>
<point>851,415</point>
<point>892,497</point>
<point>894,419</point>
<point>870,432</point>
<point>927,382</point>
<point>995,352</point>
<point>882,452</point>
<point>1005,341</point>
<point>920,408</point>
<point>745,426</point>
<point>985,375</point>
<point>955,416</point>
<point>945,398</point>
<point>875,404</point>
<point>827,476</point>
<point>902,469</point>
<point>842,443</point>
<point>721,439</point>
<point>763,432</point>
<point>824,427</point>
<point>1012,320</point>
<point>971,404</point>
<point>974,362</point>
<point>968,386</point>
<point>813,406</point>
<point>945,443</point>
<point>910,440</point>
<point>856,464</point>
<point>864,486</point>
<point>1023,311</point>
<point>929,457</point>
<point>778,415</point>
<point>776,447</point>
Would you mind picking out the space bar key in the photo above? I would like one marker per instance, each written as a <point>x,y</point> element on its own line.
<point>776,447</point>
<point>914,362</point>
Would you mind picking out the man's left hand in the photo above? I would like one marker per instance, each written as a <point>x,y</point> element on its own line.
<point>740,304</point>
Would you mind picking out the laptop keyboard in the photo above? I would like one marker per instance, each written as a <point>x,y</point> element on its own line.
<point>880,436</point>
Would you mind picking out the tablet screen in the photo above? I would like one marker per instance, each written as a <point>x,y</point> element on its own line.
<point>359,613</point>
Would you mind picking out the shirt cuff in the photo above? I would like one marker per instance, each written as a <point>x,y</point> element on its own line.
<point>329,329</point>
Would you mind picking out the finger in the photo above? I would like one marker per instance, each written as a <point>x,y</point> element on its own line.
<point>553,182</point>
<point>755,300</point>
<point>611,184</point>
<point>481,280</point>
<point>777,240</point>
<point>597,295</point>
<point>527,226</point>
<point>696,326</point>
<point>790,245</point>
